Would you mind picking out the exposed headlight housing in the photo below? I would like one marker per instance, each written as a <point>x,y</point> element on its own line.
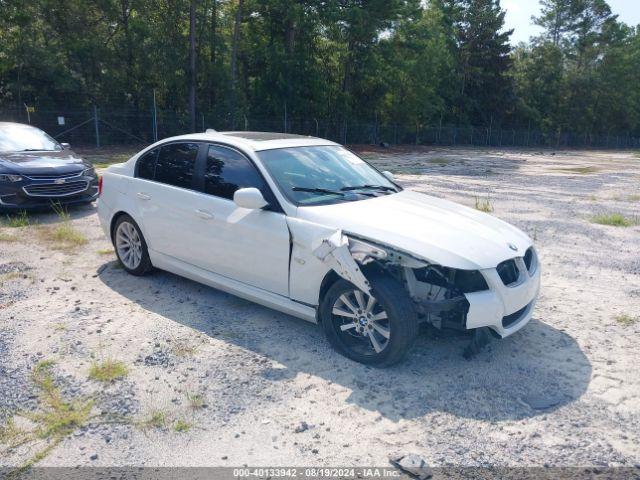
<point>531,260</point>
<point>9,178</point>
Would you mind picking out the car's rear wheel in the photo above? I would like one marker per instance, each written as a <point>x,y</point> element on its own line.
<point>130,246</point>
<point>376,329</point>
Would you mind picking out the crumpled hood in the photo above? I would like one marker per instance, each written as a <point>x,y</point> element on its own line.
<point>427,227</point>
<point>41,162</point>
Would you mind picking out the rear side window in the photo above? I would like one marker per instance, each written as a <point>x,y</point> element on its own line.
<point>176,164</point>
<point>227,171</point>
<point>146,165</point>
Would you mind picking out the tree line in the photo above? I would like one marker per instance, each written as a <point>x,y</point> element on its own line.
<point>407,62</point>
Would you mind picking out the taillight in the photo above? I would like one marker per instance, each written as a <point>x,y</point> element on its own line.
<point>100,184</point>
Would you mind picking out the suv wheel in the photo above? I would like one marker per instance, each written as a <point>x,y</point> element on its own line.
<point>375,330</point>
<point>130,246</point>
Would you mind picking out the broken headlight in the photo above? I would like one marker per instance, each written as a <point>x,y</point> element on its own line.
<point>463,281</point>
<point>530,260</point>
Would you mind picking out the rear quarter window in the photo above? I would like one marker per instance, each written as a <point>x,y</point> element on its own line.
<point>146,165</point>
<point>176,164</point>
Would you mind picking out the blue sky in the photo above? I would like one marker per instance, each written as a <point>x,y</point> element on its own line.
<point>519,14</point>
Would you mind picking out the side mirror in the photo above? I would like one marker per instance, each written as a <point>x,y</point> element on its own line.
<point>66,146</point>
<point>389,175</point>
<point>249,198</point>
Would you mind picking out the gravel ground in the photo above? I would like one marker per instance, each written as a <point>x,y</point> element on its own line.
<point>257,387</point>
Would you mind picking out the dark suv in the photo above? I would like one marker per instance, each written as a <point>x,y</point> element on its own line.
<point>36,170</point>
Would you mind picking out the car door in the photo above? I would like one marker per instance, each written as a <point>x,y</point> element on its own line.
<point>164,192</point>
<point>251,246</point>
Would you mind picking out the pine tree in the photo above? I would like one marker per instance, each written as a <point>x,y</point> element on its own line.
<point>574,25</point>
<point>483,51</point>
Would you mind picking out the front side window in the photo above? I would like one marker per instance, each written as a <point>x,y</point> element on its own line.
<point>176,164</point>
<point>227,171</point>
<point>324,174</point>
<point>24,138</point>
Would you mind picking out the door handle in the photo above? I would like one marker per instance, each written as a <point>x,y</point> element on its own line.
<point>144,196</point>
<point>204,214</point>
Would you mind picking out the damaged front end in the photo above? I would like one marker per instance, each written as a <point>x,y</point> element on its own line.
<point>492,302</point>
<point>437,292</point>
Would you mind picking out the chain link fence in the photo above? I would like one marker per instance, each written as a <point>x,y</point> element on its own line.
<point>102,127</point>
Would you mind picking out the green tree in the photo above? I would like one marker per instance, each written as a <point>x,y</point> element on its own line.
<point>483,51</point>
<point>416,63</point>
<point>399,61</point>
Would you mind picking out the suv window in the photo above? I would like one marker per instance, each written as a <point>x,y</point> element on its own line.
<point>227,171</point>
<point>146,165</point>
<point>176,164</point>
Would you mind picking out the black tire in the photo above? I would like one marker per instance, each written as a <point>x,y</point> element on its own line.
<point>402,321</point>
<point>144,265</point>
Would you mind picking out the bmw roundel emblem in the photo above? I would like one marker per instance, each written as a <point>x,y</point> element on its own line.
<point>512,247</point>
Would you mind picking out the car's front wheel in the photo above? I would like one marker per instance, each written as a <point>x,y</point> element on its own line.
<point>130,246</point>
<point>375,329</point>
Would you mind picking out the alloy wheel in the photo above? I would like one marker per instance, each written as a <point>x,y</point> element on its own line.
<point>361,322</point>
<point>129,245</point>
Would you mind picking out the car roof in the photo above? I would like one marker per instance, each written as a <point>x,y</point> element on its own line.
<point>16,124</point>
<point>255,141</point>
<point>264,136</point>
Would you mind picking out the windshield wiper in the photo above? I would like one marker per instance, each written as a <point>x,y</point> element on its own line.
<point>369,187</point>
<point>317,190</point>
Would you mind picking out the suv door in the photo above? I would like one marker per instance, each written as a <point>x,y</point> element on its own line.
<point>251,246</point>
<point>165,191</point>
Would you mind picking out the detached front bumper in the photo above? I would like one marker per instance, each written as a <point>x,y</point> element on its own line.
<point>505,308</point>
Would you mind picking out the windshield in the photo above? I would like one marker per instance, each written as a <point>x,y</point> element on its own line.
<point>325,174</point>
<point>23,138</point>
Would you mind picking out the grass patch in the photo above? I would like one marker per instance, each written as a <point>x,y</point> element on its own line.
<point>105,251</point>
<point>7,237</point>
<point>633,198</point>
<point>54,420</point>
<point>104,158</point>
<point>157,419</point>
<point>196,400</point>
<point>580,170</point>
<point>440,161</point>
<point>483,204</point>
<point>108,371</point>
<point>183,348</point>
<point>12,435</point>
<point>625,320</point>
<point>58,417</point>
<point>534,234</point>
<point>614,220</point>
<point>181,426</point>
<point>62,236</point>
<point>62,418</point>
<point>19,220</point>
<point>104,164</point>
<point>7,277</point>
<point>103,161</point>
<point>43,367</point>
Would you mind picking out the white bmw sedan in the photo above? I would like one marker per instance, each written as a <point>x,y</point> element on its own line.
<point>304,226</point>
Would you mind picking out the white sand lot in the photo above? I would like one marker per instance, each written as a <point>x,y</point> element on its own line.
<point>564,391</point>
